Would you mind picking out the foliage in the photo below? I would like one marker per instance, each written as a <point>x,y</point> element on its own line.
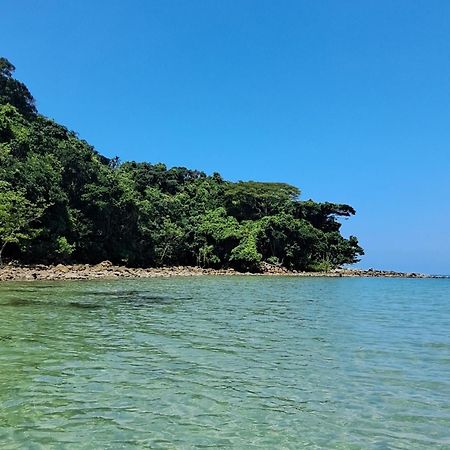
<point>17,215</point>
<point>64,249</point>
<point>253,200</point>
<point>245,256</point>
<point>60,200</point>
<point>14,92</point>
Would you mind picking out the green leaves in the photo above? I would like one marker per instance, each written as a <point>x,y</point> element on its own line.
<point>64,249</point>
<point>254,200</point>
<point>17,217</point>
<point>14,92</point>
<point>215,235</point>
<point>245,256</point>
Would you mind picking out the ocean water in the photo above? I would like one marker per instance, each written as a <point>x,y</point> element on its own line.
<point>226,362</point>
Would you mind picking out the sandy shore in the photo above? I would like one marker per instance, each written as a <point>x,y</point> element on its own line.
<point>106,270</point>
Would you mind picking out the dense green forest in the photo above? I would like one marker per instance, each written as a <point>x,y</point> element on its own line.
<point>62,201</point>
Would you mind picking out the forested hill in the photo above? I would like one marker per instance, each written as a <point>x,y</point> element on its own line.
<point>61,201</point>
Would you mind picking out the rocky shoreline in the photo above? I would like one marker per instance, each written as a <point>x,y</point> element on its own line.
<point>106,270</point>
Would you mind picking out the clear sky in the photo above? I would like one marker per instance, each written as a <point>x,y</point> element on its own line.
<point>348,100</point>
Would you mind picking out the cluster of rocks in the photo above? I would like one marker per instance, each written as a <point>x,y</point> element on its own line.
<point>103,270</point>
<point>106,270</point>
<point>376,273</point>
<point>269,269</point>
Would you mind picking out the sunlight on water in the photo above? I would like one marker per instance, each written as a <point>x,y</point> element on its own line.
<point>232,362</point>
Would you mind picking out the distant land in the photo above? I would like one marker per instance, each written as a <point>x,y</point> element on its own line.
<point>61,202</point>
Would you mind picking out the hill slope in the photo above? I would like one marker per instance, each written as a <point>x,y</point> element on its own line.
<point>61,201</point>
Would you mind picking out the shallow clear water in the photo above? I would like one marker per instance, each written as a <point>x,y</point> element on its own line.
<point>226,362</point>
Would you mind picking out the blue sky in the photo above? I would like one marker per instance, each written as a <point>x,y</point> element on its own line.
<point>348,100</point>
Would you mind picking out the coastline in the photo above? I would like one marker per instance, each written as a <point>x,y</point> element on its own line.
<point>106,270</point>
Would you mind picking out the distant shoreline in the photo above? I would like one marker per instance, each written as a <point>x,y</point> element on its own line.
<point>107,271</point>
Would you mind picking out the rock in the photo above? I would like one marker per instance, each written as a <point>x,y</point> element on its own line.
<point>105,264</point>
<point>61,268</point>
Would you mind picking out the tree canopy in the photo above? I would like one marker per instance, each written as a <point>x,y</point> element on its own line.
<point>60,201</point>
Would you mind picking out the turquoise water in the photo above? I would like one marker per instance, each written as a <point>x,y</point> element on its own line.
<point>226,362</point>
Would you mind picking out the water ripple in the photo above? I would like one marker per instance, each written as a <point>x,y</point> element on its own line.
<point>232,362</point>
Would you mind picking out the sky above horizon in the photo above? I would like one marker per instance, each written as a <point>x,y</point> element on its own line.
<point>348,100</point>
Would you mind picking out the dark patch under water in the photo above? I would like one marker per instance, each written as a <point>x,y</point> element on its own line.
<point>132,298</point>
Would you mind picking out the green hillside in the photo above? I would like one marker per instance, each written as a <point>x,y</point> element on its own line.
<point>62,201</point>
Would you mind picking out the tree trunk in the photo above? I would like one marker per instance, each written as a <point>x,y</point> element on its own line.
<point>163,254</point>
<point>1,253</point>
